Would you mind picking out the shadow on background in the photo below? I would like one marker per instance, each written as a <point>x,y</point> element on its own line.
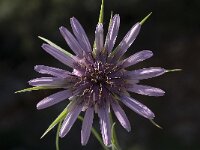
<point>172,33</point>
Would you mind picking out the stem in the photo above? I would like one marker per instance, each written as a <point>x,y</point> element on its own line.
<point>57,135</point>
<point>96,134</point>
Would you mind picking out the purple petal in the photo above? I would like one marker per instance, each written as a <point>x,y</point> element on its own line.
<point>112,33</point>
<point>87,125</point>
<point>70,119</point>
<point>80,35</point>
<point>127,41</point>
<point>47,81</point>
<point>146,73</point>
<point>99,38</point>
<point>146,90</point>
<point>52,71</point>
<point>71,41</point>
<point>137,57</point>
<point>54,99</point>
<point>59,55</point>
<point>121,116</point>
<point>105,125</point>
<point>137,107</point>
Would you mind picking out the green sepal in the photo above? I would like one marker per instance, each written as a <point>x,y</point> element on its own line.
<point>143,20</point>
<point>35,88</point>
<point>155,124</point>
<point>101,14</point>
<point>174,70</point>
<point>115,145</point>
<point>56,46</point>
<point>56,121</point>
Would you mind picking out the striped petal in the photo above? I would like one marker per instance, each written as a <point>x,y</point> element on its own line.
<point>71,41</point>
<point>146,73</point>
<point>54,99</point>
<point>87,125</point>
<point>137,107</point>
<point>127,41</point>
<point>80,35</point>
<point>112,33</point>
<point>59,55</point>
<point>105,126</point>
<point>146,90</point>
<point>136,58</point>
<point>52,71</point>
<point>121,116</point>
<point>70,119</point>
<point>47,81</point>
<point>99,38</point>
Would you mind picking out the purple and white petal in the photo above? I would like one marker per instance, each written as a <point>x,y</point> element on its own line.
<point>112,33</point>
<point>54,99</point>
<point>136,58</point>
<point>87,125</point>
<point>127,41</point>
<point>146,90</point>
<point>71,41</point>
<point>121,116</point>
<point>137,107</point>
<point>48,81</point>
<point>59,55</point>
<point>99,38</point>
<point>145,73</point>
<point>80,35</point>
<point>60,73</point>
<point>70,119</point>
<point>105,126</point>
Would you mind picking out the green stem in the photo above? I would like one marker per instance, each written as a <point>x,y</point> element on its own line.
<point>96,134</point>
<point>57,135</point>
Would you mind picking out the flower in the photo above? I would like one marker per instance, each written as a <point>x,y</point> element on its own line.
<point>99,80</point>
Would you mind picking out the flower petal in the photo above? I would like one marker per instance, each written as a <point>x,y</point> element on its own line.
<point>71,41</point>
<point>146,90</point>
<point>112,33</point>
<point>103,114</point>
<point>137,107</point>
<point>54,99</point>
<point>52,71</point>
<point>121,116</point>
<point>146,73</point>
<point>136,58</point>
<point>70,119</point>
<point>59,55</point>
<point>87,125</point>
<point>127,41</point>
<point>99,38</point>
<point>48,81</point>
<point>80,35</point>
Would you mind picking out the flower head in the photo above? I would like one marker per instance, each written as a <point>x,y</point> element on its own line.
<point>99,80</point>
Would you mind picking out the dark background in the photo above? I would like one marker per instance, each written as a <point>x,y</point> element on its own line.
<point>172,33</point>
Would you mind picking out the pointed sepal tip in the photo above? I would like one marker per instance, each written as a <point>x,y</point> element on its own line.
<point>144,20</point>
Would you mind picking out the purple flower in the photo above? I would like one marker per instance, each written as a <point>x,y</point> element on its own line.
<point>99,80</point>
